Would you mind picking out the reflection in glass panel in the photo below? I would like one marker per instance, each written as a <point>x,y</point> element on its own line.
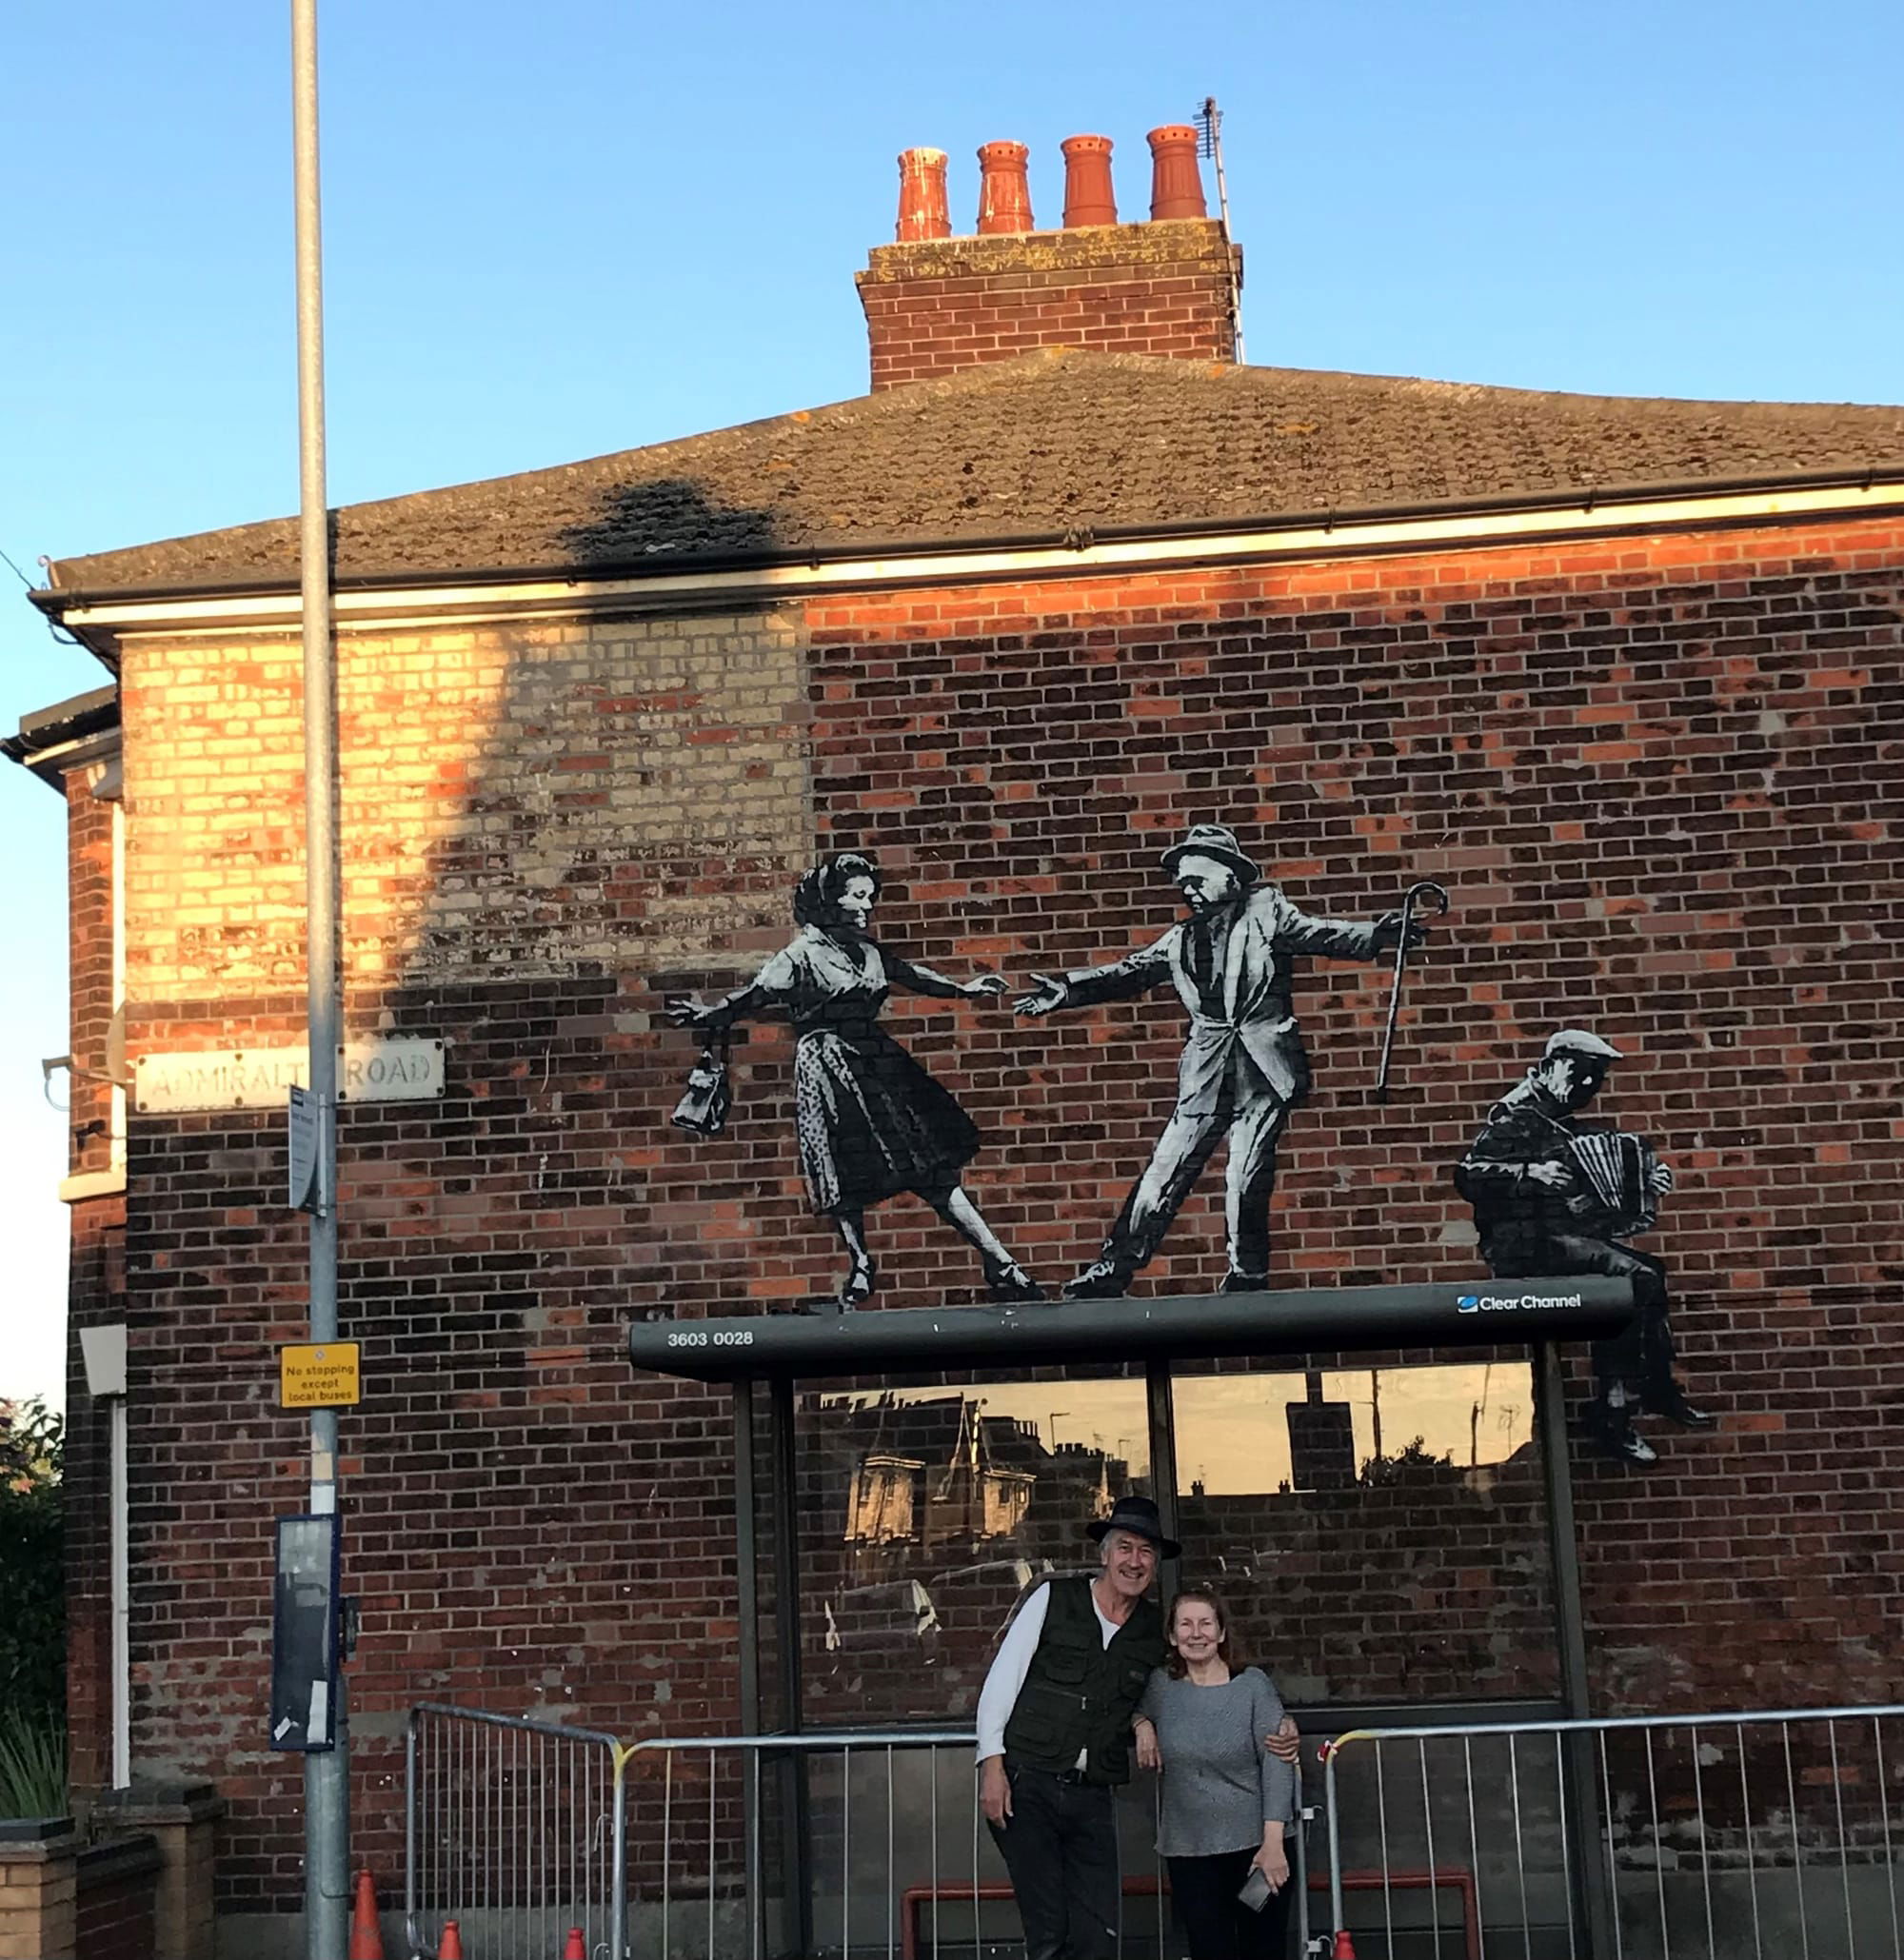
<point>1378,1534</point>
<point>923,1514</point>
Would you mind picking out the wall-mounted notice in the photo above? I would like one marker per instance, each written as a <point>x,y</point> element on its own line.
<point>322,1376</point>
<point>375,1068</point>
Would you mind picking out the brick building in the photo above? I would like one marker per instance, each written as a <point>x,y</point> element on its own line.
<point>1623,675</point>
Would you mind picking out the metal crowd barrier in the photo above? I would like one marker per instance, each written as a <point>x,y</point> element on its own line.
<point>853,1844</point>
<point>836,1841</point>
<point>1758,1835</point>
<point>1766,1834</point>
<point>516,1831</point>
<point>722,1847</point>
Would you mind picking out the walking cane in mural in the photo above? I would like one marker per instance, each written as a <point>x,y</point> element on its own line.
<point>870,1121</point>
<point>1243,1067</point>
<point>1550,1198</point>
<point>1423,888</point>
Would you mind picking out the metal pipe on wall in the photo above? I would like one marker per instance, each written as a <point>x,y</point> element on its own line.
<point>122,1603</point>
<point>327,1771</point>
<point>102,1356</point>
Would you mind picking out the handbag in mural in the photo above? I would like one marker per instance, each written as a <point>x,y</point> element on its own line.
<point>709,1097</point>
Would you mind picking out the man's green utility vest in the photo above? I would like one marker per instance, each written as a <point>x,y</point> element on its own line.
<point>1078,1693</point>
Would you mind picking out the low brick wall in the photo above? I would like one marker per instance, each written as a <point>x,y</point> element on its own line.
<point>116,1900</point>
<point>39,1889</point>
<point>137,1894</point>
<point>180,1820</point>
<point>61,1897</point>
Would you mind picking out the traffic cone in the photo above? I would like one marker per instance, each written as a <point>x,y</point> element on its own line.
<point>575,1947</point>
<point>366,1939</point>
<point>450,1946</point>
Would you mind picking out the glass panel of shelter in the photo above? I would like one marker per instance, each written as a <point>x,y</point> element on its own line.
<point>1378,1533</point>
<point>924,1511</point>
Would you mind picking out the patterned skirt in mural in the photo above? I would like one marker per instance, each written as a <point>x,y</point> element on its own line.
<point>872,1122</point>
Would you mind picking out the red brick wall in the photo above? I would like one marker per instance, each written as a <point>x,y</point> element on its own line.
<point>940,306</point>
<point>95,1293</point>
<point>89,939</point>
<point>95,1285</point>
<point>526,1528</point>
<point>1660,777</point>
<point>1661,780</point>
<point>116,1905</point>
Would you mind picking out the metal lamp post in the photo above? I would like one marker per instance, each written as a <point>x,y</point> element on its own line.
<point>327,1771</point>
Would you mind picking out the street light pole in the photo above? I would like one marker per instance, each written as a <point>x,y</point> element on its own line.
<point>327,1772</point>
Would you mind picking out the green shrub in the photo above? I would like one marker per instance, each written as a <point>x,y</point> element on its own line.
<point>32,1628</point>
<point>33,1762</point>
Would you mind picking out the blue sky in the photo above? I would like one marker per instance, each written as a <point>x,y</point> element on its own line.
<point>564,230</point>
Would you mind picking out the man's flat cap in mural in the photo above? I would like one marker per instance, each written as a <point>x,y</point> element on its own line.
<point>1577,1042</point>
<point>1210,841</point>
<point>1139,1514</point>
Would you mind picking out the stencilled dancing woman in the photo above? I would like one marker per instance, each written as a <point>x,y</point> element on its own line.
<point>871,1122</point>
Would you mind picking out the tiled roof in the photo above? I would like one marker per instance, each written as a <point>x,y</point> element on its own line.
<point>1040,447</point>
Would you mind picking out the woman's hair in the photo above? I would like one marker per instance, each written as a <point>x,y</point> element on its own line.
<point>1174,1665</point>
<point>816,897</point>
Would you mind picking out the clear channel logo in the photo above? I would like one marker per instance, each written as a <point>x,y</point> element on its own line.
<point>1512,1302</point>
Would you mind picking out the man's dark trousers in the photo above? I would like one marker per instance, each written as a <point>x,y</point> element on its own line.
<point>1060,1848</point>
<point>1644,1352</point>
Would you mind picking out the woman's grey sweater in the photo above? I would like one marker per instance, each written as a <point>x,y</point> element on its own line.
<point>1221,1786</point>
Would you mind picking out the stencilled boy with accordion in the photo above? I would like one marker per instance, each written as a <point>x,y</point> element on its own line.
<point>1550,1198</point>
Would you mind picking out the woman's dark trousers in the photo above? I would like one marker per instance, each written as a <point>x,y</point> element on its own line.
<point>1212,1921</point>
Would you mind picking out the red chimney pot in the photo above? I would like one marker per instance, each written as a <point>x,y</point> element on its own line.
<point>1088,196</point>
<point>922,210</point>
<point>1004,193</point>
<point>1175,184</point>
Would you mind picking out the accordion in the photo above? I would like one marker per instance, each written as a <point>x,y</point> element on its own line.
<point>1616,1197</point>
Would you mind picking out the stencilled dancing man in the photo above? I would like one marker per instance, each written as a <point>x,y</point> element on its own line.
<point>1550,1198</point>
<point>1243,1067</point>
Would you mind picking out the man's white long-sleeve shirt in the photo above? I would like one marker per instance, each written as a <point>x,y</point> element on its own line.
<point>1012,1662</point>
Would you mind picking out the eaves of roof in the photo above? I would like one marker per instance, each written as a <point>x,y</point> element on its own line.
<point>1037,452</point>
<point>49,737</point>
<point>57,601</point>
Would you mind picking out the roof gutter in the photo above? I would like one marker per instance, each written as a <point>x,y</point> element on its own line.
<point>52,765</point>
<point>60,738</point>
<point>790,574</point>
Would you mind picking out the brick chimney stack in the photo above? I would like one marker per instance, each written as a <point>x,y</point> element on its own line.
<point>937,305</point>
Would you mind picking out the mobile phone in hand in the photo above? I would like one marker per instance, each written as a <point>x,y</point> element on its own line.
<point>1256,1894</point>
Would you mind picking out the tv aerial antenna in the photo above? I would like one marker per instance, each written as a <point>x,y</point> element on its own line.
<point>1210,143</point>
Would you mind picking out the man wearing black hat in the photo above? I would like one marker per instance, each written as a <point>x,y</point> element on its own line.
<point>1536,1217</point>
<point>1055,1733</point>
<point>1243,1067</point>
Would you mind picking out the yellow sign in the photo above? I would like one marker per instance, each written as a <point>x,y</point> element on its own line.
<point>318,1377</point>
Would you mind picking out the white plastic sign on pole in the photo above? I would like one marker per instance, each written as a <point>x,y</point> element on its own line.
<point>304,1150</point>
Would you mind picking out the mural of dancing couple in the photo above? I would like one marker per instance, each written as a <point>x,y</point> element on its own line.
<point>872,1123</point>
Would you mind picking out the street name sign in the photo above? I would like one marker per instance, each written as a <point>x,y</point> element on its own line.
<point>377,1068</point>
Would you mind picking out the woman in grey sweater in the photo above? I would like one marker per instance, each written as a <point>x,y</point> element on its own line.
<point>1226,1798</point>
